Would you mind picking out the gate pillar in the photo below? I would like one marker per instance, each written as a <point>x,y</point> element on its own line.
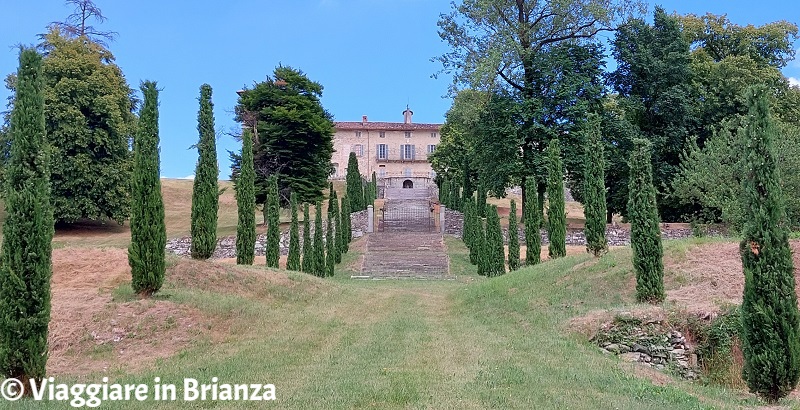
<point>441,218</point>
<point>370,219</point>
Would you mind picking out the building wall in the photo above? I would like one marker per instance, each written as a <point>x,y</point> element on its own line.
<point>394,164</point>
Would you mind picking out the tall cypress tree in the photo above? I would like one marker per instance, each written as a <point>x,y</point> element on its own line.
<point>513,238</point>
<point>25,258</point>
<point>466,227</point>
<point>273,245</point>
<point>444,193</point>
<point>347,227</point>
<point>308,248</point>
<point>246,205</point>
<point>496,264</point>
<point>481,200</point>
<point>475,235</point>
<point>594,190</point>
<point>330,240</point>
<point>482,249</point>
<point>293,259</point>
<point>318,260</point>
<point>770,318</point>
<point>531,214</point>
<point>645,233</point>
<point>556,213</point>
<point>354,189</point>
<point>374,187</point>
<point>335,219</point>
<point>205,195</point>
<point>146,254</point>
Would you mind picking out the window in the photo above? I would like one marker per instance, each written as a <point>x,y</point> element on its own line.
<point>383,151</point>
<point>358,134</point>
<point>407,152</point>
<point>407,172</point>
<point>358,149</point>
<point>434,134</point>
<point>381,171</point>
<point>431,148</point>
<point>408,134</point>
<point>382,134</point>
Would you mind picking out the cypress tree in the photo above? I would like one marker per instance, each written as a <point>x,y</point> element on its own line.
<point>293,259</point>
<point>354,189</point>
<point>531,214</point>
<point>482,249</point>
<point>25,258</point>
<point>318,256</point>
<point>306,265</point>
<point>475,235</point>
<point>481,200</point>
<point>513,238</point>
<point>556,214</point>
<point>347,227</point>
<point>336,220</point>
<point>330,240</point>
<point>466,182</point>
<point>365,193</point>
<point>594,190</point>
<point>374,187</point>
<point>146,254</point>
<point>466,227</point>
<point>645,233</point>
<point>246,205</point>
<point>444,193</point>
<point>496,264</point>
<point>455,196</point>
<point>770,318</point>
<point>205,195</point>
<point>273,245</point>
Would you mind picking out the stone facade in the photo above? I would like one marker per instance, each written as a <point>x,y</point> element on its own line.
<point>396,151</point>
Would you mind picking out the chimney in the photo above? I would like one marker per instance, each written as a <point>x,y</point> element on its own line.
<point>407,115</point>
<point>363,119</point>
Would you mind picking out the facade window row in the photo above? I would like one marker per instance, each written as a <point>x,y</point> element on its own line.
<point>407,134</point>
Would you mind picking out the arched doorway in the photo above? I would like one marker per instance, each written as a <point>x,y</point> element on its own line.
<point>408,184</point>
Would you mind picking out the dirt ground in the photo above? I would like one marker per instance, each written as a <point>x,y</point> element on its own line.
<point>90,332</point>
<point>713,277</point>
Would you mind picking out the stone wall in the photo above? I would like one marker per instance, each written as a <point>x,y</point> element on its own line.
<point>226,246</point>
<point>615,235</point>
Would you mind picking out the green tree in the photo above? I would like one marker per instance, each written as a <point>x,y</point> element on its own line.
<point>90,122</point>
<point>444,193</point>
<point>770,318</point>
<point>533,236</point>
<point>330,237</point>
<point>294,134</point>
<point>480,203</point>
<point>308,253</point>
<point>246,205</point>
<point>148,233</point>
<point>318,253</point>
<point>645,233</point>
<point>374,187</point>
<point>482,248</point>
<point>556,213</point>
<point>205,195</point>
<point>475,235</point>
<point>25,258</point>
<point>467,234</point>
<point>495,254</point>
<point>273,249</point>
<point>594,190</point>
<point>335,218</point>
<point>355,191</point>
<point>513,238</point>
<point>347,227</point>
<point>293,259</point>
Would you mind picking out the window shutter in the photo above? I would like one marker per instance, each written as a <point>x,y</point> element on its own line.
<point>402,151</point>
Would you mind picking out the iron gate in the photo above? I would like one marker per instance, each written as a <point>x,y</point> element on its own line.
<point>407,219</point>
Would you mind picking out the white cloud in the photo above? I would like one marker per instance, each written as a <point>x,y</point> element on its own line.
<point>188,177</point>
<point>794,82</point>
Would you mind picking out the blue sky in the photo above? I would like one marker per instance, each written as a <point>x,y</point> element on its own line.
<point>372,56</point>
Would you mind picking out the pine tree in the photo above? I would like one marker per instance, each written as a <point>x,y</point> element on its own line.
<point>770,318</point>
<point>246,205</point>
<point>355,191</point>
<point>533,236</point>
<point>645,233</point>
<point>293,259</point>
<point>513,238</point>
<point>347,227</point>
<point>146,253</point>
<point>556,213</point>
<point>308,253</point>
<point>335,219</point>
<point>318,256</point>
<point>273,245</point>
<point>25,258</point>
<point>496,264</point>
<point>594,191</point>
<point>330,240</point>
<point>205,195</point>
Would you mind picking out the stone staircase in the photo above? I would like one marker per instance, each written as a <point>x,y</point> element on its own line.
<point>396,255</point>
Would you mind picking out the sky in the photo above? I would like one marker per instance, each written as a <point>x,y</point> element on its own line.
<point>372,56</point>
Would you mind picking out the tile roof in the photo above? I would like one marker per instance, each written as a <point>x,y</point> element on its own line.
<point>384,126</point>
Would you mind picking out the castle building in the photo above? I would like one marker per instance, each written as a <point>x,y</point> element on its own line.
<point>396,151</point>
